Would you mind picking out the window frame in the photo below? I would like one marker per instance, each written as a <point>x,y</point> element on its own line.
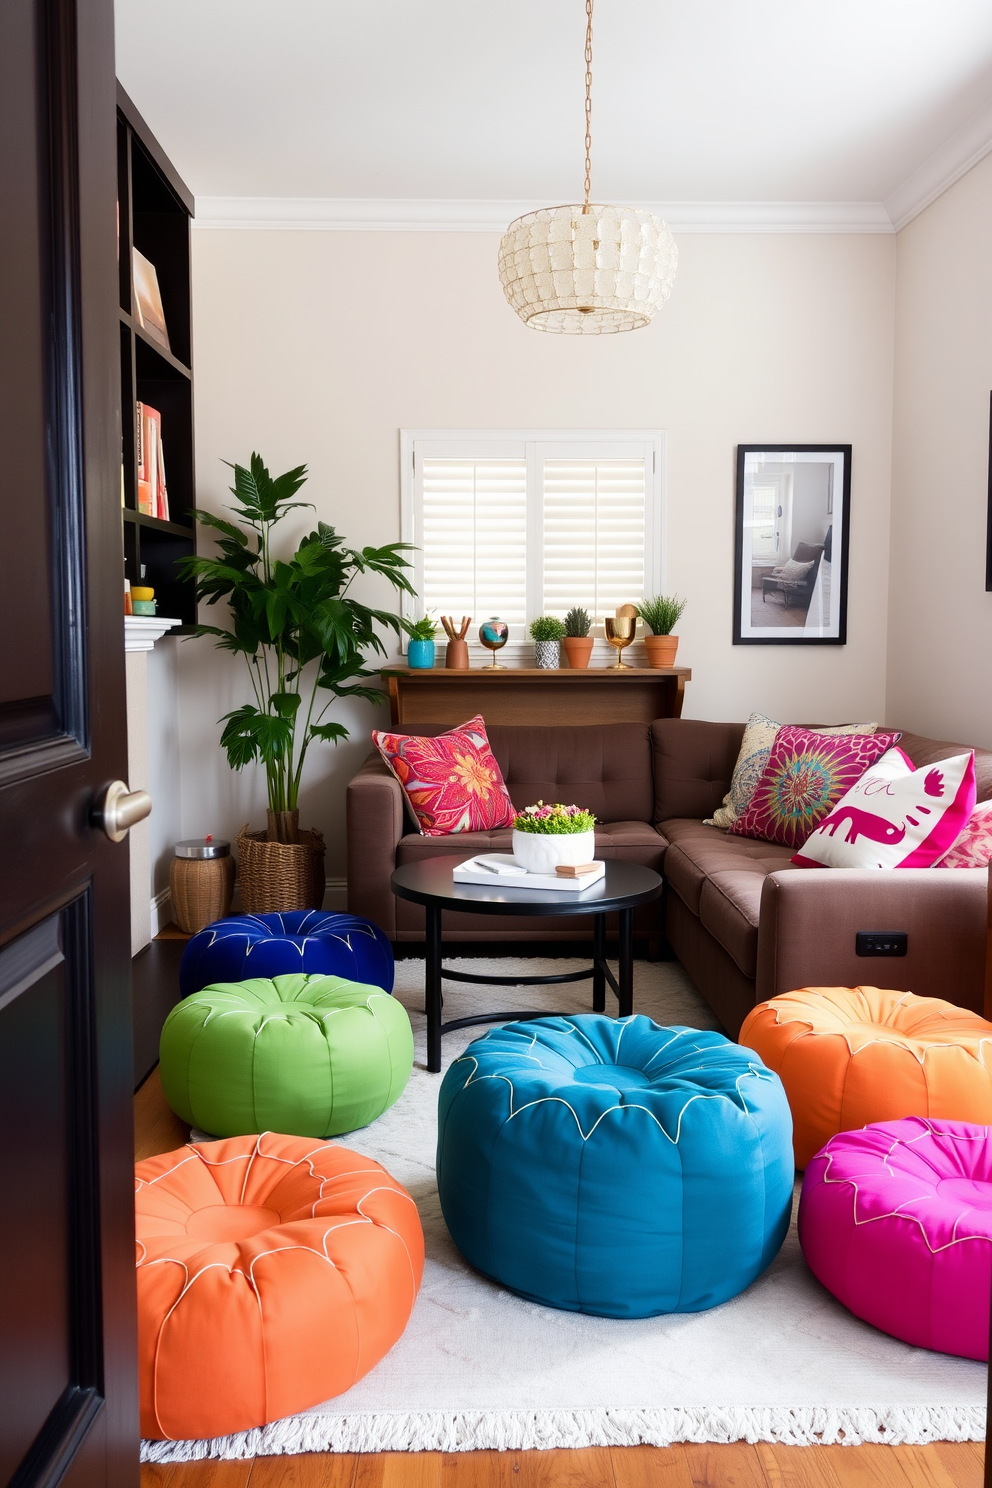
<point>533,446</point>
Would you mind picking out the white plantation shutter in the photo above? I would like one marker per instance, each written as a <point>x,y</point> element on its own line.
<point>475,538</point>
<point>516,526</point>
<point>593,534</point>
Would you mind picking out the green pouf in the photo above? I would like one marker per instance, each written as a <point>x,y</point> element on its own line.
<point>309,1056</point>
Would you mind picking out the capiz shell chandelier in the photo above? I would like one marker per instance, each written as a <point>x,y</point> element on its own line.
<point>587,270</point>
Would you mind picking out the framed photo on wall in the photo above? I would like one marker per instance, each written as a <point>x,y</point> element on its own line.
<point>791,548</point>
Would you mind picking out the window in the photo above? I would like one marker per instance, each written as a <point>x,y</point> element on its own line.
<point>525,524</point>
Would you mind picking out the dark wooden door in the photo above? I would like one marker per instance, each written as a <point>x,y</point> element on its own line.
<point>68,1408</point>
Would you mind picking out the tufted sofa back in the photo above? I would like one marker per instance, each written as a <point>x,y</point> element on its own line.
<point>605,767</point>
<point>693,762</point>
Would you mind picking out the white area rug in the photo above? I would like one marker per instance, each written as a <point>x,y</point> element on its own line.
<point>480,1368</point>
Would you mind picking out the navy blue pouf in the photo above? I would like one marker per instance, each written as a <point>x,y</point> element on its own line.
<point>299,940</point>
<point>615,1167</point>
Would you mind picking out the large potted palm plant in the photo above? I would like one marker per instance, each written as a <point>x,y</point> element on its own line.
<point>305,640</point>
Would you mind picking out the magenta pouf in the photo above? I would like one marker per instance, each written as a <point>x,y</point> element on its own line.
<point>896,1221</point>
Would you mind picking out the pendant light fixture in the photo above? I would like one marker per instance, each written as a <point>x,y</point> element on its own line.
<point>587,270</point>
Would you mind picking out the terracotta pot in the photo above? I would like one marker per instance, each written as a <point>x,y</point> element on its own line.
<point>661,650</point>
<point>456,656</point>
<point>578,649</point>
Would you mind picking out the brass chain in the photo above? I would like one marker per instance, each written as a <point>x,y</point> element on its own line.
<point>588,184</point>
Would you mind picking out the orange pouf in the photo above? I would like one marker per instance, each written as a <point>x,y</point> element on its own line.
<point>273,1272</point>
<point>851,1055</point>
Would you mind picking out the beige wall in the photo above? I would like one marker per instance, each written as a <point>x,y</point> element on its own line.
<point>321,346</point>
<point>940,617</point>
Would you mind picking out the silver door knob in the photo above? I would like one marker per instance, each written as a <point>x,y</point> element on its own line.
<point>118,809</point>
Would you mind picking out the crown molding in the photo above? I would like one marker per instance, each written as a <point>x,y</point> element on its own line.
<point>367,214</point>
<point>956,156</point>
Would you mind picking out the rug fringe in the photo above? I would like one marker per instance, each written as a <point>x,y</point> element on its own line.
<point>527,1430</point>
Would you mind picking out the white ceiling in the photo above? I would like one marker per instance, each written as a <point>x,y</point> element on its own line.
<point>460,101</point>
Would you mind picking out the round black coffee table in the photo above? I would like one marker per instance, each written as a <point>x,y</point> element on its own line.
<point>622,888</point>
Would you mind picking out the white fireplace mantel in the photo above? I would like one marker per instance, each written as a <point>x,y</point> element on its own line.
<point>142,631</point>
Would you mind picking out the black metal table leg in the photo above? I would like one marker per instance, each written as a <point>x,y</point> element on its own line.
<point>598,957</point>
<point>625,996</point>
<point>433,972</point>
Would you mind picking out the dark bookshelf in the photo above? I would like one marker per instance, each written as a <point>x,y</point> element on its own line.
<point>155,212</point>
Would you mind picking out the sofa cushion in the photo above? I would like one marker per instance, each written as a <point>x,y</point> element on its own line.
<point>729,908</point>
<point>923,751</point>
<point>806,775</point>
<point>604,767</point>
<point>451,781</point>
<point>696,852</point>
<point>623,841</point>
<point>693,764</point>
<point>719,878</point>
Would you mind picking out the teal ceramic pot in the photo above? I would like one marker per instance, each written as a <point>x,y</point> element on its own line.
<point>420,654</point>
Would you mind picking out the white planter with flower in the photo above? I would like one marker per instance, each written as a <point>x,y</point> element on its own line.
<point>544,836</point>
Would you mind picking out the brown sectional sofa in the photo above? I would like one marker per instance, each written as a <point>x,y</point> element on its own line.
<point>745,923</point>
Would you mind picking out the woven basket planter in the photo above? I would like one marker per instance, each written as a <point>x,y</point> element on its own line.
<point>280,875</point>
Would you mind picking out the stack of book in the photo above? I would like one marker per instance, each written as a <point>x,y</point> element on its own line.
<point>153,494</point>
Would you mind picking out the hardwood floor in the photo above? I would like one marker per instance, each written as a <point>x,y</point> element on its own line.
<point>765,1465</point>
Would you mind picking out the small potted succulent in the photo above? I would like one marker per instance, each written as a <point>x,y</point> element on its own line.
<point>420,646</point>
<point>577,640</point>
<point>544,836</point>
<point>661,615</point>
<point>546,633</point>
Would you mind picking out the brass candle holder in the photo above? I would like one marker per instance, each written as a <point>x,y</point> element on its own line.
<point>620,633</point>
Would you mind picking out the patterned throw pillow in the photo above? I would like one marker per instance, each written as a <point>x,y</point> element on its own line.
<point>452,782</point>
<point>973,848</point>
<point>806,775</point>
<point>759,736</point>
<point>895,816</point>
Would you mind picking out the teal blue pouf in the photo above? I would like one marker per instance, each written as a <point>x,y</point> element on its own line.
<point>615,1167</point>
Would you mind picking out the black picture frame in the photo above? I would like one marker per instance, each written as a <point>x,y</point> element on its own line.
<point>988,535</point>
<point>835,549</point>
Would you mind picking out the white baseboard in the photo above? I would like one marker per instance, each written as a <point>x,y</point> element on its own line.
<point>335,899</point>
<point>161,911</point>
<point>336,895</point>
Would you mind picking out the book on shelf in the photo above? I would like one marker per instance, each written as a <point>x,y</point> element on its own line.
<point>162,493</point>
<point>148,299</point>
<point>152,497</point>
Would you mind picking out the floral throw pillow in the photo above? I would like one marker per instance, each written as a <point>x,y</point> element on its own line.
<point>759,736</point>
<point>452,782</point>
<point>973,848</point>
<point>806,775</point>
<point>895,816</point>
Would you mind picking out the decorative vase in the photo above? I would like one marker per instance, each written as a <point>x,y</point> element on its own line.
<point>420,655</point>
<point>456,656</point>
<point>661,650</point>
<point>541,852</point>
<point>578,649</point>
<point>273,876</point>
<point>494,634</point>
<point>547,655</point>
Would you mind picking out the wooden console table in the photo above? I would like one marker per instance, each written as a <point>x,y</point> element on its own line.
<point>527,695</point>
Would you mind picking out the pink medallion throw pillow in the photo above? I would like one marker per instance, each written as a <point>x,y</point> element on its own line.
<point>452,782</point>
<point>805,777</point>
<point>973,848</point>
<point>895,816</point>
